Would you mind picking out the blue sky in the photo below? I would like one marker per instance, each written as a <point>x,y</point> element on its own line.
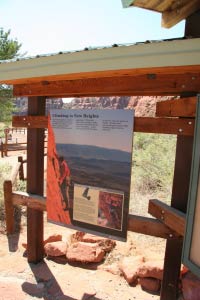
<point>49,26</point>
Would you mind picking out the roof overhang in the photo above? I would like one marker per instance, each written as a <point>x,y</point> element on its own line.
<point>172,11</point>
<point>153,68</point>
<point>142,58</point>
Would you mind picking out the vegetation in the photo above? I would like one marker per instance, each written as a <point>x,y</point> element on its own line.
<point>9,48</point>
<point>153,162</point>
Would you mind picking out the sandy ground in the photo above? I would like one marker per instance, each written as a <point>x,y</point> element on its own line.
<point>50,280</point>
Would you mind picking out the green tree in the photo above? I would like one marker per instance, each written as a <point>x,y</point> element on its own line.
<point>9,48</point>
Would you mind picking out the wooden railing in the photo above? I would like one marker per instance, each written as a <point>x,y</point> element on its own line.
<point>8,187</point>
<point>167,228</point>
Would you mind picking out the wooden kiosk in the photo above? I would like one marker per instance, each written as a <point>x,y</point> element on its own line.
<point>157,68</point>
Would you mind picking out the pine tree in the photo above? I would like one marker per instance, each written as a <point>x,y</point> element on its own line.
<point>9,48</point>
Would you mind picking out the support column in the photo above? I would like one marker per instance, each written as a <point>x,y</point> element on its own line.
<point>180,191</point>
<point>35,181</point>
<point>192,28</point>
<point>173,252</point>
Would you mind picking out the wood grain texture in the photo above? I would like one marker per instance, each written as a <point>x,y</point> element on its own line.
<point>170,216</point>
<point>179,11</point>
<point>179,200</point>
<point>183,107</point>
<point>150,226</point>
<point>137,224</point>
<point>181,69</point>
<point>35,179</point>
<point>147,84</point>
<point>9,208</point>
<point>182,126</point>
<point>32,201</point>
<point>178,126</point>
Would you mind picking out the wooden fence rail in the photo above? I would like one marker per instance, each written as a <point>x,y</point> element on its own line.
<point>140,224</point>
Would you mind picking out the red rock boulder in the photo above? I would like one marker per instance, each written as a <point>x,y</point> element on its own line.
<point>150,284</point>
<point>85,252</point>
<point>56,248</point>
<point>129,268</point>
<point>152,269</point>
<point>191,286</point>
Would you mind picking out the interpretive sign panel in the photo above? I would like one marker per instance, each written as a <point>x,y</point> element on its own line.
<point>191,257</point>
<point>89,169</point>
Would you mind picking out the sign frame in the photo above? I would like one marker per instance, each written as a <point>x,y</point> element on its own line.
<point>193,200</point>
<point>95,146</point>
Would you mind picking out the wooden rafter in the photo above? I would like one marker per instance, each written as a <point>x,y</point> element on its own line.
<point>179,12</point>
<point>172,11</point>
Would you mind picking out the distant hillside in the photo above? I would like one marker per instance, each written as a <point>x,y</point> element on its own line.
<point>143,105</point>
<point>93,152</point>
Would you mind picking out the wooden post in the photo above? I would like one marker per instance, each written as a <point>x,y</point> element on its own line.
<point>9,208</point>
<point>2,148</point>
<point>192,28</point>
<point>21,169</point>
<point>35,181</point>
<point>180,191</point>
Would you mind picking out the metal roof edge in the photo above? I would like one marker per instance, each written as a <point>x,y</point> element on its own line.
<point>182,52</point>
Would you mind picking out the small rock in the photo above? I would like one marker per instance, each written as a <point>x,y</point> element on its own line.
<point>152,269</point>
<point>191,286</point>
<point>129,266</point>
<point>77,236</point>
<point>53,238</point>
<point>56,248</point>
<point>150,284</point>
<point>85,252</point>
<point>106,244</point>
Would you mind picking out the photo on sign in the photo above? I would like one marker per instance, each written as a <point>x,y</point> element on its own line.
<point>89,169</point>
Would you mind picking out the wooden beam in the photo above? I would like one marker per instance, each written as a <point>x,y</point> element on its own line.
<point>32,201</point>
<point>137,224</point>
<point>148,84</point>
<point>30,121</point>
<point>141,124</point>
<point>164,125</point>
<point>150,226</point>
<point>180,69</point>
<point>183,107</point>
<point>170,216</point>
<point>179,11</point>
<point>35,179</point>
<point>155,5</point>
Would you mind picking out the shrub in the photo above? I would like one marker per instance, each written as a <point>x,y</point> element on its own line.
<point>153,162</point>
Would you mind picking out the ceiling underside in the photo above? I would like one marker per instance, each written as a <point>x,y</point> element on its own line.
<point>173,11</point>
